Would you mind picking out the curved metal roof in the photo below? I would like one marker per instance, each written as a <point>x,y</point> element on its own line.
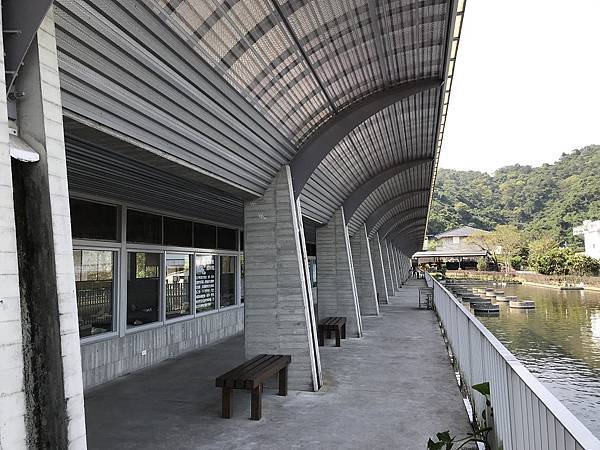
<point>237,89</point>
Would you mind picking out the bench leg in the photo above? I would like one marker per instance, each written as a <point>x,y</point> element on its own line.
<point>338,337</point>
<point>227,403</point>
<point>256,403</point>
<point>344,331</point>
<point>283,381</point>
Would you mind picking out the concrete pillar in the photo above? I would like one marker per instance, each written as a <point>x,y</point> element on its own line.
<point>51,353</point>
<point>336,287</point>
<point>378,271</point>
<point>12,396</point>
<point>399,266</point>
<point>279,317</point>
<point>363,273</point>
<point>387,268</point>
<point>395,270</point>
<point>405,267</point>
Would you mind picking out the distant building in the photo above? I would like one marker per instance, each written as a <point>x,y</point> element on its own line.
<point>456,240</point>
<point>454,249</point>
<point>590,230</point>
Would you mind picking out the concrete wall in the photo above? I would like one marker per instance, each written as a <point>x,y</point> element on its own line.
<point>336,288</point>
<point>279,316</point>
<point>12,397</point>
<point>448,244</point>
<point>363,273</point>
<point>103,361</point>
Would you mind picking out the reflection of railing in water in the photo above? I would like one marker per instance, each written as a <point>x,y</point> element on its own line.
<point>177,297</point>
<point>526,414</point>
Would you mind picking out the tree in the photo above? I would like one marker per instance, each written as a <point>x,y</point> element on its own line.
<point>509,240</point>
<point>540,246</point>
<point>550,198</point>
<point>485,241</point>
<point>553,262</point>
<point>582,265</point>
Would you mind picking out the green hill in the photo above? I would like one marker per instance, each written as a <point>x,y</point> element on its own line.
<point>553,197</point>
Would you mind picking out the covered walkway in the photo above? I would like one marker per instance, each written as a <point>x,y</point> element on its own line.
<point>391,389</point>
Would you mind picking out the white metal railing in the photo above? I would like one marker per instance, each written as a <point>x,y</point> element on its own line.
<point>525,414</point>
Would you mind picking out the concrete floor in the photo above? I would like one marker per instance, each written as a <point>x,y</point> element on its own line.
<point>391,389</point>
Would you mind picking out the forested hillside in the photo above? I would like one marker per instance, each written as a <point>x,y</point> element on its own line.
<point>553,197</point>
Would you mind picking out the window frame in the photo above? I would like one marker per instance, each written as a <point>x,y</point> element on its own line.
<point>161,304</point>
<point>192,275</point>
<point>93,245</point>
<point>122,248</point>
<point>236,283</point>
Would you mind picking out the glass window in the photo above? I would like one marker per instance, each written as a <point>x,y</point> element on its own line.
<point>205,283</point>
<point>242,284</point>
<point>177,285</point>
<point>226,238</point>
<point>312,270</point>
<point>227,289</point>
<point>144,227</point>
<point>241,240</point>
<point>93,220</point>
<point>94,287</point>
<point>143,288</point>
<point>205,236</point>
<point>177,232</point>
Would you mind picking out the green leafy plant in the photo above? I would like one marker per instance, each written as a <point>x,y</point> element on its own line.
<point>445,441</point>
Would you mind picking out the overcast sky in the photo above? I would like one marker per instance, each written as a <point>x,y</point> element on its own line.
<point>527,83</point>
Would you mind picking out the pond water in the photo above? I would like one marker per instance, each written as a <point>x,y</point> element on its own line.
<point>559,342</point>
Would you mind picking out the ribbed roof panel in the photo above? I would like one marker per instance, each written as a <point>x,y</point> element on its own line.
<point>416,178</point>
<point>402,132</point>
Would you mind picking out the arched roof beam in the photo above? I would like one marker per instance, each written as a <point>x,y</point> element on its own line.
<point>376,216</point>
<point>412,241</point>
<point>408,214</point>
<point>360,194</point>
<point>393,222</point>
<point>401,235</point>
<point>317,147</point>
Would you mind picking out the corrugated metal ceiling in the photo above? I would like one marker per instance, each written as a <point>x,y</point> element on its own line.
<point>233,88</point>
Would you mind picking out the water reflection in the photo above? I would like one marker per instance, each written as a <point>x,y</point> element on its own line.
<point>559,342</point>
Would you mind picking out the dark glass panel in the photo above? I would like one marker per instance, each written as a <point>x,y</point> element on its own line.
<point>177,232</point>
<point>227,282</point>
<point>93,220</point>
<point>226,238</point>
<point>205,236</point>
<point>143,288</point>
<point>144,227</point>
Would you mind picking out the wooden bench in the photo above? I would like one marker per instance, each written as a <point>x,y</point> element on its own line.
<point>329,324</point>
<point>251,376</point>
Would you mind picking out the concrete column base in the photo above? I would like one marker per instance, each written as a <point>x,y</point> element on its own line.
<point>336,288</point>
<point>279,318</point>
